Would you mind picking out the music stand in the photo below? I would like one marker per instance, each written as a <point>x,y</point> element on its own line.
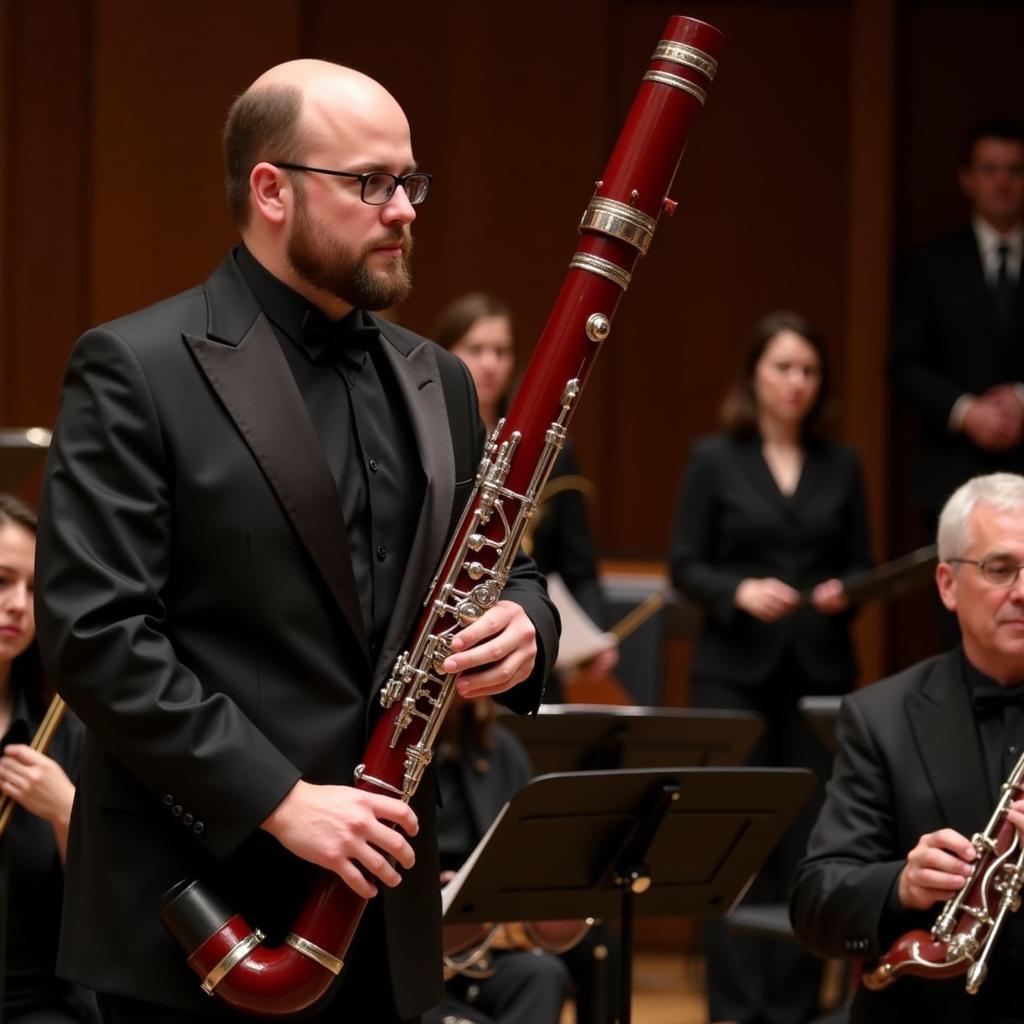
<point>666,842</point>
<point>20,453</point>
<point>592,737</point>
<point>822,713</point>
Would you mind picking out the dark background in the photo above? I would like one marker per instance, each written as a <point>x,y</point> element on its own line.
<point>828,143</point>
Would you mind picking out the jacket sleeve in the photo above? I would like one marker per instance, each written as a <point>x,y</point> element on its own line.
<point>841,902</point>
<point>694,570</point>
<point>105,550</point>
<point>915,369</point>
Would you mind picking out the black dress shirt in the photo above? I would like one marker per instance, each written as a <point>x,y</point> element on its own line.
<point>999,715</point>
<point>359,415</point>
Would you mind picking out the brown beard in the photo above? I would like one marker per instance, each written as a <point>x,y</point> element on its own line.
<point>333,268</point>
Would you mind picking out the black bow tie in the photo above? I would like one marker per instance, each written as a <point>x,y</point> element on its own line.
<point>989,699</point>
<point>330,341</point>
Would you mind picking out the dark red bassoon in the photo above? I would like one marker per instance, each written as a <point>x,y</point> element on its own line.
<point>227,953</point>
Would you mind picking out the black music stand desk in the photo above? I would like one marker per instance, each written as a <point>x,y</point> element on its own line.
<point>20,452</point>
<point>596,737</point>
<point>665,842</point>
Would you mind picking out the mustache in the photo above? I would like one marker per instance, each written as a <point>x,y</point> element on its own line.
<point>402,237</point>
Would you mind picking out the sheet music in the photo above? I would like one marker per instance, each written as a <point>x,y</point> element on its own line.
<point>581,639</point>
<point>451,890</point>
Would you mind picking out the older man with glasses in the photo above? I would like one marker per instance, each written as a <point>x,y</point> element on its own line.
<point>248,491</point>
<point>923,756</point>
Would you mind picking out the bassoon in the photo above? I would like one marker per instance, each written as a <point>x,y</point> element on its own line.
<point>964,933</point>
<point>226,952</point>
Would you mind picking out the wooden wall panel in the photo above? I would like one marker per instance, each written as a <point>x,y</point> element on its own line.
<point>164,76</point>
<point>761,225</point>
<point>110,167</point>
<point>46,197</point>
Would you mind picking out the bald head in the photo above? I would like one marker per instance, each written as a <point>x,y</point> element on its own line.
<point>298,106</point>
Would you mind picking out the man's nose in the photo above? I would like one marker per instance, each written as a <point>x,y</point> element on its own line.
<point>398,209</point>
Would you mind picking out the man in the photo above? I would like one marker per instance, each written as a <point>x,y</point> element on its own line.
<point>248,490</point>
<point>958,330</point>
<point>922,756</point>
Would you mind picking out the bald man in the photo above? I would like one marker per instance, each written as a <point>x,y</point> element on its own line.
<point>249,488</point>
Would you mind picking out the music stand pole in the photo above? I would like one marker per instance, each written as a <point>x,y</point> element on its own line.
<point>633,877</point>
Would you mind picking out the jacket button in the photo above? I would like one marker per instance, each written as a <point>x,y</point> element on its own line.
<point>374,465</point>
<point>199,828</point>
<point>382,552</point>
<point>176,810</point>
<point>186,819</point>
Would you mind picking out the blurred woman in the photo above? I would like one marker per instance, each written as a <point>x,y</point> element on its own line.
<point>33,847</point>
<point>479,329</point>
<point>771,517</point>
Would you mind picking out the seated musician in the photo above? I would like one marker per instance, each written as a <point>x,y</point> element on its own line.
<point>922,757</point>
<point>481,766</point>
<point>35,840</point>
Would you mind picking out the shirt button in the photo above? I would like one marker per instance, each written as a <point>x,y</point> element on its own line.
<point>382,552</point>
<point>176,810</point>
<point>374,465</point>
<point>168,799</point>
<point>186,819</point>
<point>198,828</point>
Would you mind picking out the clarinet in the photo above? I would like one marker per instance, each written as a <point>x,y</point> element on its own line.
<point>226,952</point>
<point>964,934</point>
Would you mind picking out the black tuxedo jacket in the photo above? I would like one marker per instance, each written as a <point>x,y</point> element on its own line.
<point>946,344</point>
<point>909,762</point>
<point>196,603</point>
<point>733,522</point>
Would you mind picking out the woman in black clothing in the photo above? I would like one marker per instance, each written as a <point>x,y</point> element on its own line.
<point>771,517</point>
<point>479,329</point>
<point>33,847</point>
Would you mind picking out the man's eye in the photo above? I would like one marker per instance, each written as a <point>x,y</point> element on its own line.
<point>1001,570</point>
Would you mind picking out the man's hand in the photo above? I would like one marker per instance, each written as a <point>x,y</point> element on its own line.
<point>766,599</point>
<point>995,421</point>
<point>494,653</point>
<point>935,870</point>
<point>345,830</point>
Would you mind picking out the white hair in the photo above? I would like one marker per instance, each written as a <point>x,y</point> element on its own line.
<point>1003,492</point>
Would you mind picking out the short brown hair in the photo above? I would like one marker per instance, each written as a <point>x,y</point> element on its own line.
<point>459,316</point>
<point>14,510</point>
<point>262,124</point>
<point>739,410</point>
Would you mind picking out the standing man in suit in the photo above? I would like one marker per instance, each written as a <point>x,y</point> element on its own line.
<point>249,488</point>
<point>958,331</point>
<point>922,756</point>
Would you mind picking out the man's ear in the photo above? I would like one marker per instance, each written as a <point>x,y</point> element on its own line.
<point>945,578</point>
<point>270,192</point>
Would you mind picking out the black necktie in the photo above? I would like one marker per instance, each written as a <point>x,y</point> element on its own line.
<point>1003,292</point>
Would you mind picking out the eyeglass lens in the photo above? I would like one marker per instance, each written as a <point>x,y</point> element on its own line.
<point>379,188</point>
<point>1001,571</point>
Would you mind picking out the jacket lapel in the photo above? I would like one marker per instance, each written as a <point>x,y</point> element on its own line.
<point>253,380</point>
<point>942,721</point>
<point>415,368</point>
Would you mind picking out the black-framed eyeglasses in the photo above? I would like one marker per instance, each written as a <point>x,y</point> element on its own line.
<point>377,187</point>
<point>999,571</point>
